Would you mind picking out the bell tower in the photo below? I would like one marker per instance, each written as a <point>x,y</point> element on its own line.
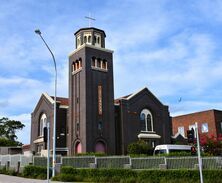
<point>91,126</point>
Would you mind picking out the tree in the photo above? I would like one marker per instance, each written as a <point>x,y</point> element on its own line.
<point>139,147</point>
<point>211,145</point>
<point>8,129</point>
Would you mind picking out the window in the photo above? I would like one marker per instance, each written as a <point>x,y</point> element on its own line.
<point>78,41</point>
<point>73,67</point>
<point>146,120</point>
<point>42,124</point>
<point>80,63</point>
<point>100,125</point>
<point>93,62</point>
<point>99,64</point>
<point>77,65</point>
<point>97,40</point>
<point>204,127</point>
<point>77,126</point>
<point>104,64</point>
<point>194,128</point>
<point>89,39</point>
<point>85,39</point>
<point>181,130</point>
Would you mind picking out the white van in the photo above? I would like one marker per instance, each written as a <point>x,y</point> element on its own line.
<point>168,148</point>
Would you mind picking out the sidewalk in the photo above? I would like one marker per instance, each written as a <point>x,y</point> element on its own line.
<point>14,179</point>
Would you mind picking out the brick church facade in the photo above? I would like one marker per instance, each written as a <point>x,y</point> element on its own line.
<point>90,120</point>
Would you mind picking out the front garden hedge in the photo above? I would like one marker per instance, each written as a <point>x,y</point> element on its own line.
<point>71,174</point>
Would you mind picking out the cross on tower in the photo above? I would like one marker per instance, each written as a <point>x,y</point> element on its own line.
<point>90,19</point>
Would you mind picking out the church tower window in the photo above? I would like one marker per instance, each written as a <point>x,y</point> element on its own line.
<point>42,123</point>
<point>99,63</point>
<point>73,67</point>
<point>93,62</point>
<point>146,120</point>
<point>85,39</point>
<point>89,39</point>
<point>77,65</point>
<point>104,64</point>
<point>80,63</point>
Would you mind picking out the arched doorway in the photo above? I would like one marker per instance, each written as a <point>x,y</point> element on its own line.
<point>100,147</point>
<point>78,148</point>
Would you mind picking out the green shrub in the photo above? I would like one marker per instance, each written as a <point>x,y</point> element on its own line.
<point>8,172</point>
<point>132,176</point>
<point>35,172</point>
<point>139,147</point>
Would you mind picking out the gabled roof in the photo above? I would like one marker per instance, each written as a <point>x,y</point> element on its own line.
<point>130,96</point>
<point>61,100</point>
<point>64,102</point>
<point>178,135</point>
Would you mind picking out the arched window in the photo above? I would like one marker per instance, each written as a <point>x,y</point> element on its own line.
<point>99,63</point>
<point>98,40</point>
<point>73,67</point>
<point>93,62</point>
<point>42,123</point>
<point>78,42</point>
<point>104,64</point>
<point>85,39</point>
<point>89,39</point>
<point>80,63</point>
<point>146,120</point>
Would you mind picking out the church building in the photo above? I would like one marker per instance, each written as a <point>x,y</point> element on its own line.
<point>90,120</point>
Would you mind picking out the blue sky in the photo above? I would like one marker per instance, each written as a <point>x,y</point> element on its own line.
<point>172,47</point>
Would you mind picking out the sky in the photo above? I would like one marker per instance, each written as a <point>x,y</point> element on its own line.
<point>172,47</point>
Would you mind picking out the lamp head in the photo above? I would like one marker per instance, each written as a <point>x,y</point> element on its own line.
<point>37,31</point>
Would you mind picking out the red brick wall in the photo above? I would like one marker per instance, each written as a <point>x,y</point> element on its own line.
<point>200,117</point>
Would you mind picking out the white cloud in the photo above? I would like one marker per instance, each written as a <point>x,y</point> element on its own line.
<point>172,48</point>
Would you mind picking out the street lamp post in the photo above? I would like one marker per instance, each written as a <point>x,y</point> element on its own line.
<point>54,121</point>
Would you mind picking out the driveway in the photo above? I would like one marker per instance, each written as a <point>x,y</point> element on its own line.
<point>14,179</point>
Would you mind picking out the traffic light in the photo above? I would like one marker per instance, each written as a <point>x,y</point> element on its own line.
<point>45,134</point>
<point>190,135</point>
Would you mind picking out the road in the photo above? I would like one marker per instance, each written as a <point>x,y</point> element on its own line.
<point>14,179</point>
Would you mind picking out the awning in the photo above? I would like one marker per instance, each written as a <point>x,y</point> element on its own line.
<point>39,140</point>
<point>148,136</point>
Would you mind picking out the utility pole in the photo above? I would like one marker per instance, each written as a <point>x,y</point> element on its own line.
<point>199,156</point>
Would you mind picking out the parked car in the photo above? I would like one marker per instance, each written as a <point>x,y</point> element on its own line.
<point>169,148</point>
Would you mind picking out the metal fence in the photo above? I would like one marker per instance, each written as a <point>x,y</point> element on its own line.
<point>16,162</point>
<point>135,163</point>
<point>78,162</point>
<point>20,161</point>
